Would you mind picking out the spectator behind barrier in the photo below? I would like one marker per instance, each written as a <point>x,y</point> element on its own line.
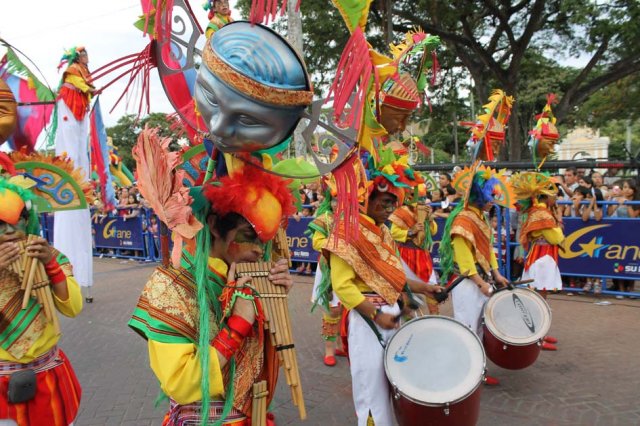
<point>628,192</point>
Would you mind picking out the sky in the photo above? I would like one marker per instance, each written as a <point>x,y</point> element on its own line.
<point>43,29</point>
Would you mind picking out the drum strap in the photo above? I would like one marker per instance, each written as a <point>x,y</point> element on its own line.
<point>373,327</point>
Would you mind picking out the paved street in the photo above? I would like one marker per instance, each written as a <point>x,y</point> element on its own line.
<point>594,378</point>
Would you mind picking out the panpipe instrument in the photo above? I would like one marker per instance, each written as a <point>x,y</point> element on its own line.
<point>34,282</point>
<point>259,405</point>
<point>421,216</point>
<point>277,323</point>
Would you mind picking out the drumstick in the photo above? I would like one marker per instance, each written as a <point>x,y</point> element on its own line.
<point>442,296</point>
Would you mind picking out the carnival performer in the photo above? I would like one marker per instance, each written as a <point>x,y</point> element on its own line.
<point>204,328</point>
<point>399,99</point>
<point>414,243</point>
<point>219,15</point>
<point>322,293</point>
<point>368,277</point>
<point>466,249</point>
<point>72,229</point>
<point>39,386</point>
<point>540,235</point>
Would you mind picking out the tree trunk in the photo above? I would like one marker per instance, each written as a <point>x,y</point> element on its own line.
<point>294,37</point>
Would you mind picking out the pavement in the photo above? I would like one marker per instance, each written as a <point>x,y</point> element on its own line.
<point>594,378</point>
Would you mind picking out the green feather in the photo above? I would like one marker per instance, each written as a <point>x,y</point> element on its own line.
<point>16,66</point>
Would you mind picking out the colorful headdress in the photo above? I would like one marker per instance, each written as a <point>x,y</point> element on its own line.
<point>263,199</point>
<point>394,175</point>
<point>401,93</point>
<point>13,200</point>
<point>481,184</point>
<point>529,186</point>
<point>545,135</point>
<point>256,62</point>
<point>488,133</point>
<point>70,55</point>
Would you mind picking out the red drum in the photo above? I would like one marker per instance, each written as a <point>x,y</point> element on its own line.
<point>515,322</point>
<point>435,366</point>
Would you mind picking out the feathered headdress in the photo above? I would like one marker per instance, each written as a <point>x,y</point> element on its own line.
<point>70,56</point>
<point>529,186</point>
<point>481,184</point>
<point>13,200</point>
<point>544,136</point>
<point>262,198</point>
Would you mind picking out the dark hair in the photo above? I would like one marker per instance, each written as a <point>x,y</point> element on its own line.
<point>448,176</point>
<point>228,222</point>
<point>450,190</point>
<point>584,191</point>
<point>439,191</point>
<point>572,170</point>
<point>587,180</point>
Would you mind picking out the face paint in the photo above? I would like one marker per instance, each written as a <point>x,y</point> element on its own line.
<point>13,232</point>
<point>245,251</point>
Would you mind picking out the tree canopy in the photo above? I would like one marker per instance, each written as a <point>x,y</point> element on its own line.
<point>586,52</point>
<point>125,133</point>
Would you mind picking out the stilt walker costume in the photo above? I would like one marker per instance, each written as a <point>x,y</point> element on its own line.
<point>72,229</point>
<point>30,333</point>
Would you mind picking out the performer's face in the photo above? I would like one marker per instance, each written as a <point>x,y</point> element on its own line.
<point>222,7</point>
<point>15,232</point>
<point>240,244</point>
<point>237,123</point>
<point>83,57</point>
<point>381,205</point>
<point>394,120</point>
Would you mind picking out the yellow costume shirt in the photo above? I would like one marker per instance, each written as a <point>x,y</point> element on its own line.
<point>463,253</point>
<point>49,338</point>
<point>177,365</point>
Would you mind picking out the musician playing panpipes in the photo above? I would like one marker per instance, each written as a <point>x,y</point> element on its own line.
<point>202,326</point>
<point>29,341</point>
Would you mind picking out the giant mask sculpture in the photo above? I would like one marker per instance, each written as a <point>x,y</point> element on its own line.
<point>252,88</point>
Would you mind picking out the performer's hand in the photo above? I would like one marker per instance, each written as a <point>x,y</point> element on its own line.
<point>40,249</point>
<point>433,288</point>
<point>499,279</point>
<point>9,253</point>
<point>386,321</point>
<point>486,289</point>
<point>242,307</point>
<point>279,274</point>
<point>418,227</point>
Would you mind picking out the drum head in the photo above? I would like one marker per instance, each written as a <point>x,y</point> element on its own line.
<point>519,317</point>
<point>434,360</point>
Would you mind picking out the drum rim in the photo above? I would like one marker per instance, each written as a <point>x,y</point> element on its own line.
<point>396,388</point>
<point>500,336</point>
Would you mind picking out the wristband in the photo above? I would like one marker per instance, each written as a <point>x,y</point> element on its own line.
<point>229,340</point>
<point>54,272</point>
<point>239,325</point>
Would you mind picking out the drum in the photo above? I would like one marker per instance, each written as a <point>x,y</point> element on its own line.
<point>435,366</point>
<point>515,322</point>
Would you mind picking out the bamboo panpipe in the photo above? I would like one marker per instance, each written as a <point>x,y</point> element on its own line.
<point>35,282</point>
<point>421,216</point>
<point>278,324</point>
<point>259,406</point>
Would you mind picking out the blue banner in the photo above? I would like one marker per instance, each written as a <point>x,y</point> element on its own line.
<point>300,245</point>
<point>118,233</point>
<point>609,248</point>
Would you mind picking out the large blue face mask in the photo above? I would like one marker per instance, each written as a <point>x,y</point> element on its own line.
<point>240,119</point>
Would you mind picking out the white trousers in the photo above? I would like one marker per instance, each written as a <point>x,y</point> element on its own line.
<point>468,303</point>
<point>369,381</point>
<point>545,274</point>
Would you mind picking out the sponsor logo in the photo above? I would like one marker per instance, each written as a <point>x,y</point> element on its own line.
<point>401,353</point>
<point>524,313</point>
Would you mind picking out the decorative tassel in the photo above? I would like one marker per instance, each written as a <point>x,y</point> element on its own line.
<point>353,73</point>
<point>263,11</point>
<point>347,209</point>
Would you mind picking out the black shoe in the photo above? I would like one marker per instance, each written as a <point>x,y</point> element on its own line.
<point>89,299</point>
